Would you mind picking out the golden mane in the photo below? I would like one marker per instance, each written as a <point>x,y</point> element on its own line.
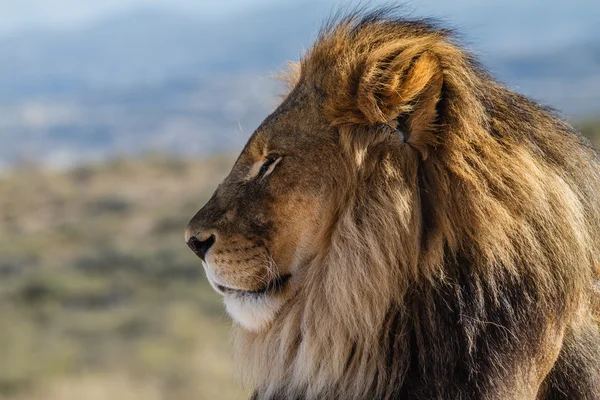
<point>505,195</point>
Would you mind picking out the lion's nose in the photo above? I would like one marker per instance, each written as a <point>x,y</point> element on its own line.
<point>200,247</point>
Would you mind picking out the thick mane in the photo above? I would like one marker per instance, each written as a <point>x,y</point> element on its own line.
<point>497,199</point>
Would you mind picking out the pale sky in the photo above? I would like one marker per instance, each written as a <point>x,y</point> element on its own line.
<point>20,15</point>
<point>506,20</point>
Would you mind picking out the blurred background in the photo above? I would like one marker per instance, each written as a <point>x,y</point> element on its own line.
<point>118,118</point>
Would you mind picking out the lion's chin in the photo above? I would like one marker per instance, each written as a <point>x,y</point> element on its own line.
<point>254,313</point>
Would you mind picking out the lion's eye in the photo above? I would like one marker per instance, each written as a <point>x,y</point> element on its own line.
<point>269,165</point>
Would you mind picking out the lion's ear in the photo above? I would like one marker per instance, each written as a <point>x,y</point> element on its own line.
<point>403,88</point>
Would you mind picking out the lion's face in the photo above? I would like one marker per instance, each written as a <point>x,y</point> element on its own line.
<point>264,221</point>
<point>334,137</point>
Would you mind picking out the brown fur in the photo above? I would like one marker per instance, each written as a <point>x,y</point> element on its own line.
<point>441,231</point>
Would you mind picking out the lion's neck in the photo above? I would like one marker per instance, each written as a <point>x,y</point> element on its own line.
<point>323,338</point>
<point>292,360</point>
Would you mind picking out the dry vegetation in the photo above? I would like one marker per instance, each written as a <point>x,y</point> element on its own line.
<point>591,128</point>
<point>99,296</point>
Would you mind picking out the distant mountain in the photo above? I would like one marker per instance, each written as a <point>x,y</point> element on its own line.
<point>148,46</point>
<point>567,78</point>
<point>153,79</point>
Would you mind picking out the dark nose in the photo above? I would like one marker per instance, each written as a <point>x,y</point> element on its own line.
<point>200,247</point>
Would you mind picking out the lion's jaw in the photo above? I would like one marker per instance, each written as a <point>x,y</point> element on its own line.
<point>253,313</point>
<point>254,310</point>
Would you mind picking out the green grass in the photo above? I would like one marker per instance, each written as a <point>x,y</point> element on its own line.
<point>591,129</point>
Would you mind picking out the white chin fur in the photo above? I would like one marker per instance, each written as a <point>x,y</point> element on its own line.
<point>252,313</point>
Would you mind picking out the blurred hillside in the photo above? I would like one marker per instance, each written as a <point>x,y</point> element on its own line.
<point>193,83</point>
<point>591,129</point>
<point>100,298</point>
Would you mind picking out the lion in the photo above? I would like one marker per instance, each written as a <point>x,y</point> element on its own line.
<point>402,226</point>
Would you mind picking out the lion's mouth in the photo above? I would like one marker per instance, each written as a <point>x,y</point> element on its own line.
<point>274,286</point>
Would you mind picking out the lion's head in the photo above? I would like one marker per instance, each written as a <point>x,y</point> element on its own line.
<point>305,168</point>
<point>392,160</point>
<point>269,217</point>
